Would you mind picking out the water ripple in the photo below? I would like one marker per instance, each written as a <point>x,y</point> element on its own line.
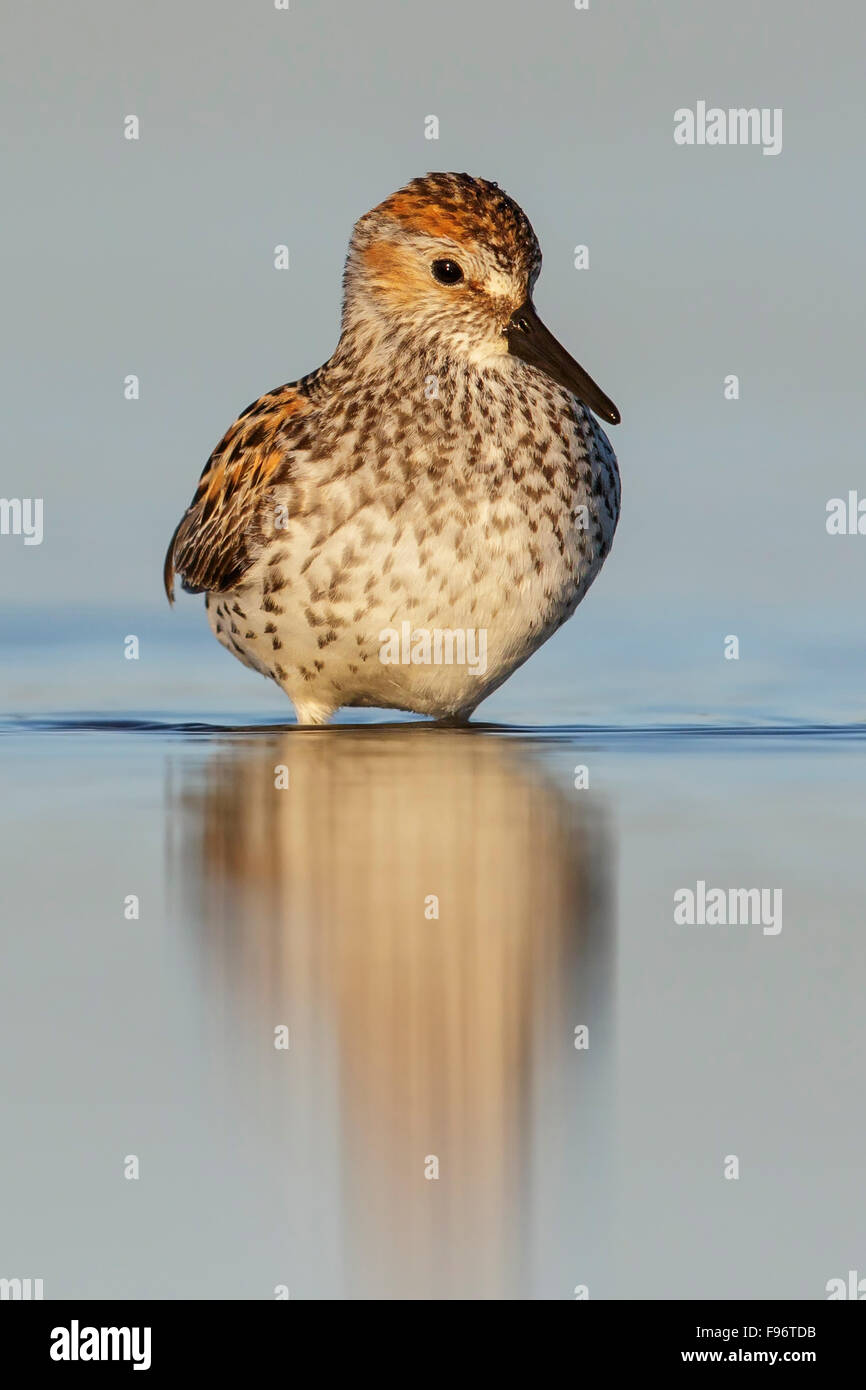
<point>635,732</point>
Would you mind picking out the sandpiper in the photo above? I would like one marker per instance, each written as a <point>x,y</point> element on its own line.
<point>438,486</point>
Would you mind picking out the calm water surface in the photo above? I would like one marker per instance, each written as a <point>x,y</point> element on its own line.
<point>419,1040</point>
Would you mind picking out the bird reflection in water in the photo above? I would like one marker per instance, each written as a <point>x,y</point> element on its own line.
<point>428,912</point>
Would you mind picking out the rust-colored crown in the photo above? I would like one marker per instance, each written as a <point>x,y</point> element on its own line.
<point>467,211</point>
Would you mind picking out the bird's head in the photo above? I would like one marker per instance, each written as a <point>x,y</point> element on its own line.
<point>448,265</point>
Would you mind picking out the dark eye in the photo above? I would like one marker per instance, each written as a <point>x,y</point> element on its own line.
<point>447,272</point>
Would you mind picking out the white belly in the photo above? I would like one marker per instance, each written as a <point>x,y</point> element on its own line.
<point>384,613</point>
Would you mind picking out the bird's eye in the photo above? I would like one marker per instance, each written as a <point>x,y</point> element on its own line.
<point>447,272</point>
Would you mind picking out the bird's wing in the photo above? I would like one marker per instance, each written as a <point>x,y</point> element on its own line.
<point>220,532</point>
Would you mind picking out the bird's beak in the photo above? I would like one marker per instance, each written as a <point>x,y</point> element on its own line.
<point>529,340</point>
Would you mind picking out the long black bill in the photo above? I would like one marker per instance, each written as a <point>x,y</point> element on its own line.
<point>529,340</point>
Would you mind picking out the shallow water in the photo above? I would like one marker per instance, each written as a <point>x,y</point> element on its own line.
<point>414,1037</point>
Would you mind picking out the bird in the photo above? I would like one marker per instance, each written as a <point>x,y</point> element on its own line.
<point>404,526</point>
